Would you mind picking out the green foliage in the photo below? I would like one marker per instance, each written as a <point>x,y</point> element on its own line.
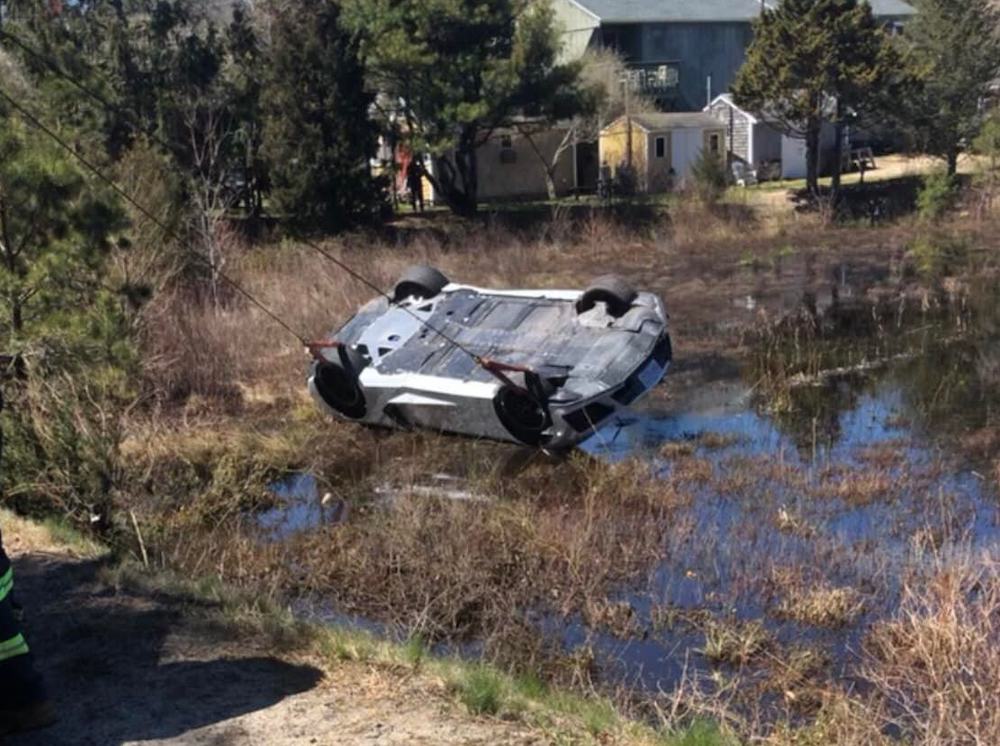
<point>953,48</point>
<point>482,690</point>
<point>708,173</point>
<point>987,142</point>
<point>701,733</point>
<point>415,650</point>
<point>63,325</point>
<point>939,256</point>
<point>55,235</point>
<point>452,71</point>
<point>318,136</point>
<point>813,61</point>
<point>937,196</point>
<point>530,686</point>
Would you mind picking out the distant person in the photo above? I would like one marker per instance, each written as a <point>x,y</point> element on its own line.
<point>415,184</point>
<point>24,705</point>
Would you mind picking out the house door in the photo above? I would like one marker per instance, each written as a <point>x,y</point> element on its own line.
<point>661,163</point>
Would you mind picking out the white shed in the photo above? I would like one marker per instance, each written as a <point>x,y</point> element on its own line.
<point>661,147</point>
<point>761,144</point>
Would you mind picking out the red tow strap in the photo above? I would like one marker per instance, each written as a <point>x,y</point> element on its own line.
<point>316,348</point>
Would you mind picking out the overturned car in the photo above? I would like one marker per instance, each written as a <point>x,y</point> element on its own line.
<point>543,368</point>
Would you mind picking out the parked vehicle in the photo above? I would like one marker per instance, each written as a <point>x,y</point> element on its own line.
<point>543,368</point>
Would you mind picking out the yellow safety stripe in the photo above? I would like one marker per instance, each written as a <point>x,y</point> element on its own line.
<point>6,583</point>
<point>13,647</point>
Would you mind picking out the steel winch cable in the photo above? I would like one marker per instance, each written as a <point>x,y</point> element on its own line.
<point>495,368</point>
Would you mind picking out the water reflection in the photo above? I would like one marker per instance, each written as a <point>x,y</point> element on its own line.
<point>300,507</point>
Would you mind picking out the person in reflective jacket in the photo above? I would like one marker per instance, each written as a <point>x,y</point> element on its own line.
<point>24,704</point>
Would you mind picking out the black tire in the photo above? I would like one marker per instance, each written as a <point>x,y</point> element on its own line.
<point>523,415</point>
<point>611,290</point>
<point>419,281</point>
<point>337,383</point>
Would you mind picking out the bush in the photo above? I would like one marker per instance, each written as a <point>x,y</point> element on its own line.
<point>482,691</point>
<point>937,196</point>
<point>709,177</point>
<point>938,256</point>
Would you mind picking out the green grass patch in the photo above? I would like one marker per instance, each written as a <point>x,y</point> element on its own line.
<point>482,690</point>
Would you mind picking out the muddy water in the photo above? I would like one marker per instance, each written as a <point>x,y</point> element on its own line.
<point>848,456</point>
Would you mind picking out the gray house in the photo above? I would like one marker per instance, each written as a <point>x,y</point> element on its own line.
<point>682,52</point>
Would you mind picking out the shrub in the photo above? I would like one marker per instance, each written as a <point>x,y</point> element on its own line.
<point>708,174</point>
<point>481,690</point>
<point>937,256</point>
<point>937,196</point>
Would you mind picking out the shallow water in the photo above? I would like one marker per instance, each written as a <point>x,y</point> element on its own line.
<point>300,507</point>
<point>733,538</point>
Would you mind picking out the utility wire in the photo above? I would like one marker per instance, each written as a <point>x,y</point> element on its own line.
<point>35,122</point>
<point>138,126</point>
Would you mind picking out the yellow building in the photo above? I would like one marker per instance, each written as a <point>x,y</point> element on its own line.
<point>661,148</point>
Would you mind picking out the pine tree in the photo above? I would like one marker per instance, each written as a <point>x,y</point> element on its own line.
<point>453,71</point>
<point>61,324</point>
<point>953,47</point>
<point>816,61</point>
<point>318,133</point>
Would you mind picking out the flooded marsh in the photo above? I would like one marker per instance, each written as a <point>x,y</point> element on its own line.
<point>741,540</point>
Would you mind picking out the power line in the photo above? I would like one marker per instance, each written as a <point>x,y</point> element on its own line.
<point>138,126</point>
<point>35,122</point>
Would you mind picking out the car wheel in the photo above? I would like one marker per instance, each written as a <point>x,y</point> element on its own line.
<point>611,290</point>
<point>420,282</point>
<point>523,415</point>
<point>337,383</point>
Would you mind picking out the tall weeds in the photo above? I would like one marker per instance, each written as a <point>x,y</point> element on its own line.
<point>937,663</point>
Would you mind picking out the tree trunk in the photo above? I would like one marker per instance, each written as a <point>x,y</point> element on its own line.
<point>456,178</point>
<point>838,159</point>
<point>813,129</point>
<point>952,161</point>
<point>550,184</point>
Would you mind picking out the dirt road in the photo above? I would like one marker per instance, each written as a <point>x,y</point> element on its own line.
<point>130,668</point>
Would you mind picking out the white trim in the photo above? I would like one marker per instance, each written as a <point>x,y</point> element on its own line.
<point>410,398</point>
<point>727,99</point>
<point>540,294</point>
<point>419,382</point>
<point>588,11</point>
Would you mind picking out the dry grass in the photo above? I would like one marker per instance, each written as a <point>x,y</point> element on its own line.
<point>556,540</point>
<point>822,607</point>
<point>734,642</point>
<point>936,665</point>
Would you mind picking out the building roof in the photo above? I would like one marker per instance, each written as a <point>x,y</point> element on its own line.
<point>704,11</point>
<point>660,121</point>
<point>650,11</point>
<point>727,99</point>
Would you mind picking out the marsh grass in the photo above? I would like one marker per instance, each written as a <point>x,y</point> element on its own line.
<point>822,607</point>
<point>936,664</point>
<point>733,641</point>
<point>560,539</point>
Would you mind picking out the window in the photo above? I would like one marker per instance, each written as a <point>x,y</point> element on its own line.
<point>661,147</point>
<point>507,152</point>
<point>714,144</point>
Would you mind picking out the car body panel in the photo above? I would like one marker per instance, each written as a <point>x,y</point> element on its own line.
<point>424,359</point>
